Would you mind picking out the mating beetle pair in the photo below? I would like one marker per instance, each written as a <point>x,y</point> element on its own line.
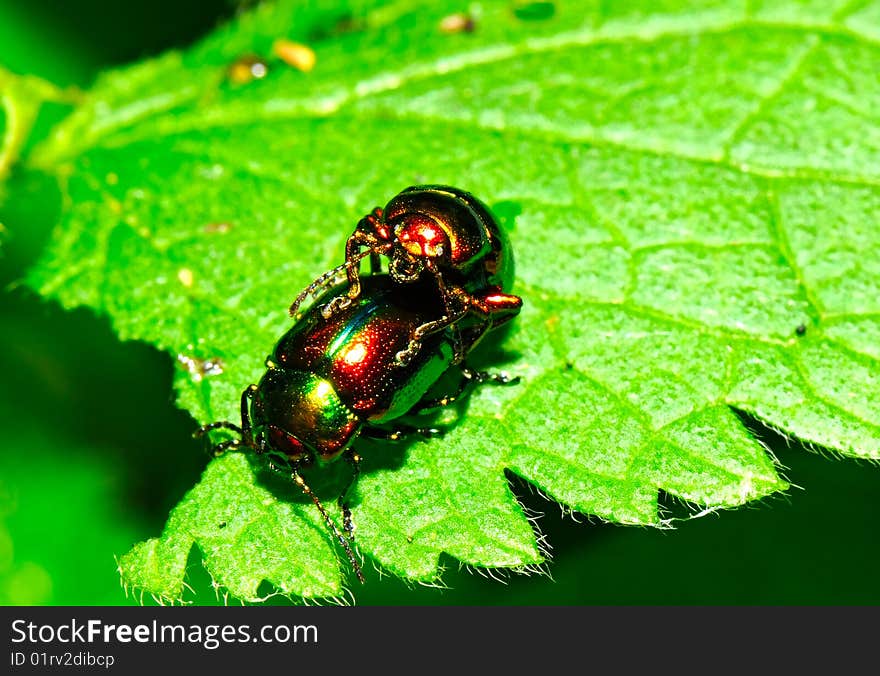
<point>363,357</point>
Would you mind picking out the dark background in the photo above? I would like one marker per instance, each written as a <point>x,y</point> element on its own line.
<point>94,453</point>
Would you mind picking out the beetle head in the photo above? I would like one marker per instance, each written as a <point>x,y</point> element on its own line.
<point>302,416</point>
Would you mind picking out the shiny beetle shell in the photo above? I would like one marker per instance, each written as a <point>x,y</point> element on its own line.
<point>329,377</point>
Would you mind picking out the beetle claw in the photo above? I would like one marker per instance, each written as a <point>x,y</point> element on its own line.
<point>334,306</point>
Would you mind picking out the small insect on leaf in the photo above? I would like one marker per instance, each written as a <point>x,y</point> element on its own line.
<point>376,350</point>
<point>247,69</point>
<point>294,54</point>
<point>458,23</point>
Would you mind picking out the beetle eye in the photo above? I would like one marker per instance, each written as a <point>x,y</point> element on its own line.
<point>286,443</point>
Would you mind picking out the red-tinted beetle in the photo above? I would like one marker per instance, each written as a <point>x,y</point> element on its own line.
<point>450,235</point>
<point>332,379</point>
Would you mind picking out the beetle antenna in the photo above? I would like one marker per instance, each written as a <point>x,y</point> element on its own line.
<point>325,280</point>
<point>346,545</point>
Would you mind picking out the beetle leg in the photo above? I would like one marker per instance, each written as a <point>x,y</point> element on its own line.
<point>437,325</point>
<point>247,434</point>
<point>438,402</point>
<point>499,307</point>
<point>244,431</point>
<point>335,305</point>
<point>220,425</point>
<point>355,460</point>
<point>457,303</point>
<point>496,308</point>
<point>363,236</point>
<point>400,433</point>
<point>220,448</point>
<point>375,218</point>
<point>480,377</point>
<point>469,379</point>
<point>403,357</point>
<point>375,263</point>
<point>223,446</point>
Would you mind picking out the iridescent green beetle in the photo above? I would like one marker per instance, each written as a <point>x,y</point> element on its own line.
<point>335,376</point>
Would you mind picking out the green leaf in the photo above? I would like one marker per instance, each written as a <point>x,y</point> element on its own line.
<point>692,190</point>
<point>47,557</point>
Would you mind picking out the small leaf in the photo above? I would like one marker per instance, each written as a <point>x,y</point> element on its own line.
<point>695,192</point>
